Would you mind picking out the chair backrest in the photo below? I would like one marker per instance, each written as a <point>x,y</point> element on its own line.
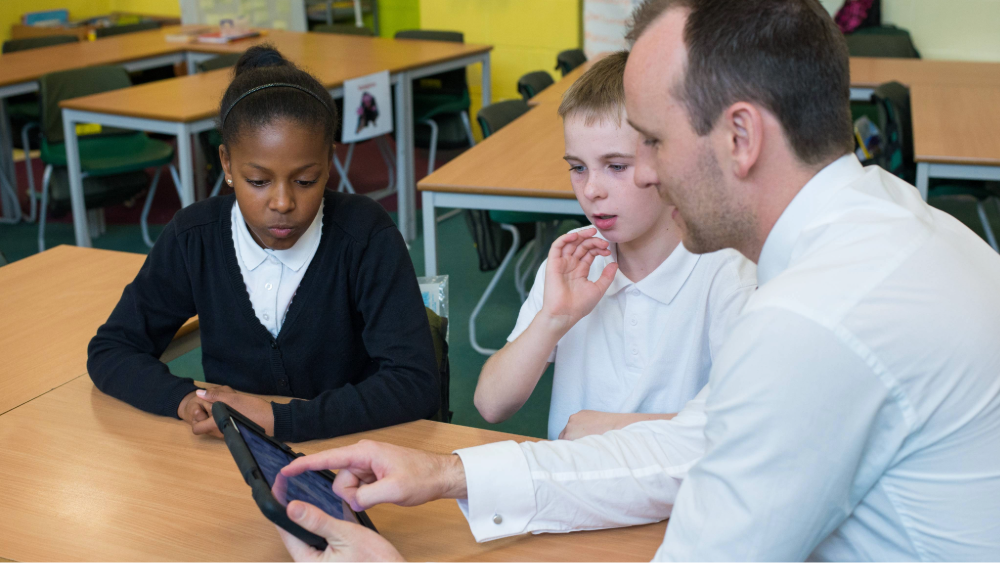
<point>123,29</point>
<point>439,330</point>
<point>892,100</point>
<point>453,82</point>
<point>344,29</point>
<point>569,59</point>
<point>893,45</point>
<point>3,259</point>
<point>532,83</point>
<point>58,86</point>
<point>215,63</point>
<point>14,45</point>
<point>494,116</point>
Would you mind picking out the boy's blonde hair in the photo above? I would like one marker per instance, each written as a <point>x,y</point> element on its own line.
<point>600,93</point>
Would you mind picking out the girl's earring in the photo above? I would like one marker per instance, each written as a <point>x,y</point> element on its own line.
<point>229,181</point>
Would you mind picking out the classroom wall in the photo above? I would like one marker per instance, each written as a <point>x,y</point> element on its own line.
<point>526,36</point>
<point>11,10</point>
<point>964,30</point>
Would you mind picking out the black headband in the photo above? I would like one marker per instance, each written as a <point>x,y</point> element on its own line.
<point>271,85</point>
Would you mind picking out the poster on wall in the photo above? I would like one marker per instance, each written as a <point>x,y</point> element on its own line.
<point>604,25</point>
<point>367,107</point>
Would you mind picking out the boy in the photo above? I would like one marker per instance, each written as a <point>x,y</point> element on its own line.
<point>631,319</point>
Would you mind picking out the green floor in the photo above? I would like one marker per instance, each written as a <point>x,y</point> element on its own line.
<point>457,258</point>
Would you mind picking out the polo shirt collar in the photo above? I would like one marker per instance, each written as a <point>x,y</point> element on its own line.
<point>663,283</point>
<point>804,207</point>
<point>294,258</point>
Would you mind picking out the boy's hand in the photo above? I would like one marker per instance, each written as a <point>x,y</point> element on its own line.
<point>588,423</point>
<point>254,408</point>
<point>569,295</point>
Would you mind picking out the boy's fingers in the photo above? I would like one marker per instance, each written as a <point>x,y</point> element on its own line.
<point>607,276</point>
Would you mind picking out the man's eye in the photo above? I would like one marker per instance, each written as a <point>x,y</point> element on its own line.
<point>650,142</point>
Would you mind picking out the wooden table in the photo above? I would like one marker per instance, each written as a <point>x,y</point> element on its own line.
<point>52,304</point>
<point>868,72</point>
<point>955,132</point>
<point>88,477</point>
<point>186,105</point>
<point>518,168</point>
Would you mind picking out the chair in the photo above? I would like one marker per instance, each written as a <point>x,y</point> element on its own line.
<point>344,29</point>
<point>567,60</point>
<point>3,259</point>
<point>532,83</point>
<point>483,226</point>
<point>891,42</point>
<point>439,330</point>
<point>113,30</point>
<point>113,161</point>
<point>895,122</point>
<point>440,96</point>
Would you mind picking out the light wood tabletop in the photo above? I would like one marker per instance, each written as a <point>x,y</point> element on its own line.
<point>553,94</point>
<point>87,477</point>
<point>869,72</point>
<point>331,58</point>
<point>525,158</point>
<point>955,124</point>
<point>52,304</point>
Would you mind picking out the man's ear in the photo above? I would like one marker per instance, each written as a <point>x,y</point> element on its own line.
<point>224,158</point>
<point>743,126</point>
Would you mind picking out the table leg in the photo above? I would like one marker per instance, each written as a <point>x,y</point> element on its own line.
<point>185,164</point>
<point>75,180</point>
<point>487,84</point>
<point>405,184</point>
<point>923,178</point>
<point>430,234</point>
<point>8,180</point>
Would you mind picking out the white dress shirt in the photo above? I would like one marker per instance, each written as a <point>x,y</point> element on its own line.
<point>648,346</point>
<point>854,411</point>
<point>272,276</point>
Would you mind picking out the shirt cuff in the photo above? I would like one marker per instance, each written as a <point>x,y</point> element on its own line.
<point>501,495</point>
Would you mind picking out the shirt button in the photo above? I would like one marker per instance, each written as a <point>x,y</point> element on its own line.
<point>635,293</point>
<point>266,317</point>
<point>635,351</point>
<point>267,286</point>
<point>635,321</point>
<point>497,519</point>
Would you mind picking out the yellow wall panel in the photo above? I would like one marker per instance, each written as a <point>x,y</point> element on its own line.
<point>11,10</point>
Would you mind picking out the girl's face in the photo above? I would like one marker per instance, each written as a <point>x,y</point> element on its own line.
<point>279,174</point>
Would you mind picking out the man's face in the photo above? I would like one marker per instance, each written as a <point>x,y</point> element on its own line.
<point>711,215</point>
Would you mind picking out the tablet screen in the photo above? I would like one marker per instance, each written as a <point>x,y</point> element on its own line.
<point>308,487</point>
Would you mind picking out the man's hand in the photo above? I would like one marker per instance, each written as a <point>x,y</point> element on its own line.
<point>345,541</point>
<point>254,408</point>
<point>587,423</point>
<point>372,473</point>
<point>569,295</point>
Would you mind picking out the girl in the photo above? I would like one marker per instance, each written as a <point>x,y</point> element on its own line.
<point>300,291</point>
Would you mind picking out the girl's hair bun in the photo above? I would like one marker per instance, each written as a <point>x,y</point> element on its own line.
<point>259,56</point>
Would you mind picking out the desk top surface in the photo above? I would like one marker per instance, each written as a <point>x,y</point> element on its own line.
<point>351,55</point>
<point>872,71</point>
<point>52,305</point>
<point>955,124</point>
<point>525,158</point>
<point>100,480</point>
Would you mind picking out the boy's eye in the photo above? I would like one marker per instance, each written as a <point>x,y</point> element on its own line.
<point>577,169</point>
<point>618,167</point>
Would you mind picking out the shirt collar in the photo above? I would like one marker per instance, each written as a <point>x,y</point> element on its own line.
<point>664,282</point>
<point>294,258</point>
<point>811,199</point>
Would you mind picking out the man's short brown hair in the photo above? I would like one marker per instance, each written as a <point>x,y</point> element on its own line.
<point>786,55</point>
<point>600,93</point>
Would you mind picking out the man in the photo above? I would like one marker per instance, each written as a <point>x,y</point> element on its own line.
<point>854,411</point>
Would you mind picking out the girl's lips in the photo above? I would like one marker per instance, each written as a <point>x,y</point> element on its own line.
<point>604,222</point>
<point>280,232</point>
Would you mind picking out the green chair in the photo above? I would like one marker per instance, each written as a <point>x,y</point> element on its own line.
<point>895,122</point>
<point>532,83</point>
<point>441,96</point>
<point>487,226</point>
<point>3,259</point>
<point>113,30</point>
<point>211,139</point>
<point>882,41</point>
<point>113,161</point>
<point>567,60</point>
<point>439,332</point>
<point>344,29</point>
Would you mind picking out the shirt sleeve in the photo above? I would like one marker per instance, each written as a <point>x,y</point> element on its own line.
<point>123,358</point>
<point>797,435</point>
<point>531,306</point>
<point>621,478</point>
<point>405,385</point>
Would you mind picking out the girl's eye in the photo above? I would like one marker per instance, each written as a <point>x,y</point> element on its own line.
<point>578,169</point>
<point>256,183</point>
<point>618,167</point>
<point>305,183</point>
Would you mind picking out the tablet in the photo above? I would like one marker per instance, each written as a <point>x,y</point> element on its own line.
<point>260,459</point>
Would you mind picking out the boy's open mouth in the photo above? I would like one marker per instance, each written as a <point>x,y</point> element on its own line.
<point>604,222</point>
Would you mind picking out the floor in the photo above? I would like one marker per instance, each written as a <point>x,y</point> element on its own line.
<point>457,258</point>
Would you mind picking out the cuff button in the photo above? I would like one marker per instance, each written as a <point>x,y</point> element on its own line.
<point>497,519</point>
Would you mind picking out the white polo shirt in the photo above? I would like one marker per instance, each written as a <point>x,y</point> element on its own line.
<point>646,347</point>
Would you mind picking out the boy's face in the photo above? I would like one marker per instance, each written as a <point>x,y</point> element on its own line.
<point>601,156</point>
<point>279,175</point>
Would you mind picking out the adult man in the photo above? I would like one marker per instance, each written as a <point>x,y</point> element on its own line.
<point>854,411</point>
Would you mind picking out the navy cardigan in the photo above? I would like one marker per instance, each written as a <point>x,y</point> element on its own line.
<point>355,343</point>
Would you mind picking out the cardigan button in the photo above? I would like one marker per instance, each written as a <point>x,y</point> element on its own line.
<point>274,344</point>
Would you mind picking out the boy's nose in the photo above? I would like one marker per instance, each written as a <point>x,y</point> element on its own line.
<point>593,189</point>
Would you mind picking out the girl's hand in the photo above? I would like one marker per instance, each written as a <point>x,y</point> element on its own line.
<point>194,409</point>
<point>569,295</point>
<point>588,423</point>
<point>254,408</point>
